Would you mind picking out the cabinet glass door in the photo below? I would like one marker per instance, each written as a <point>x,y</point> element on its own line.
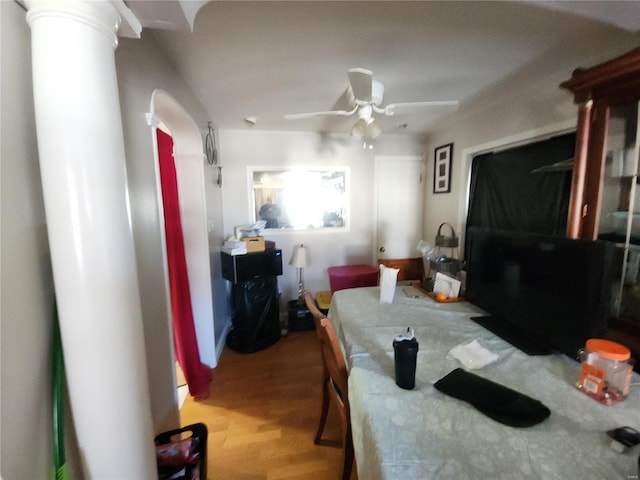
<point>620,209</point>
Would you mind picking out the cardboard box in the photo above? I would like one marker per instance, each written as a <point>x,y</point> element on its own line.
<point>254,244</point>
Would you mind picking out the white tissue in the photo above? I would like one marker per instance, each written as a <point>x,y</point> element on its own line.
<point>388,280</point>
<point>473,355</point>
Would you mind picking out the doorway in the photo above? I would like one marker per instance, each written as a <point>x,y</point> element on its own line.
<point>189,171</point>
<point>399,203</point>
<point>189,164</point>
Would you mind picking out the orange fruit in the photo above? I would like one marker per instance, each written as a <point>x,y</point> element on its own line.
<point>441,296</point>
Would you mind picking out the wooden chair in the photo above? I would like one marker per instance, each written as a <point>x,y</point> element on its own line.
<point>334,384</point>
<point>410,268</point>
<point>317,317</point>
<point>313,308</point>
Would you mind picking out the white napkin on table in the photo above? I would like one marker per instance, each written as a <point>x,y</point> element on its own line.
<point>473,355</point>
<point>388,280</point>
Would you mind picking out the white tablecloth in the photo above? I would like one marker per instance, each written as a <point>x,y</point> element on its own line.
<point>425,434</point>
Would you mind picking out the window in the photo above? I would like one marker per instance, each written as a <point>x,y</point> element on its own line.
<point>298,199</point>
<point>524,189</point>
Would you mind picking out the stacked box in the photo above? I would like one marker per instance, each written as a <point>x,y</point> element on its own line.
<point>254,244</point>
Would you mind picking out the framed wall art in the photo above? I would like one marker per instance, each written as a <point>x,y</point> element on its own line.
<point>442,169</point>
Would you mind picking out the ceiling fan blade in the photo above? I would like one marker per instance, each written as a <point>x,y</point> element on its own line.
<point>298,116</point>
<point>418,107</point>
<point>361,81</point>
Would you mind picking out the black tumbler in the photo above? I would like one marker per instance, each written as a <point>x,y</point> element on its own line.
<point>405,350</point>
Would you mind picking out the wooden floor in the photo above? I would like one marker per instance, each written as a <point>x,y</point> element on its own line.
<point>262,414</point>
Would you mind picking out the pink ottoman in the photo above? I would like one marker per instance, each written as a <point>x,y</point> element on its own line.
<point>352,276</point>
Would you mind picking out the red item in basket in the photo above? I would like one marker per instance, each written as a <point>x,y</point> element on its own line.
<point>177,453</point>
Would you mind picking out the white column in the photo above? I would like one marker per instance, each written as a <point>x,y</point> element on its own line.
<point>82,164</point>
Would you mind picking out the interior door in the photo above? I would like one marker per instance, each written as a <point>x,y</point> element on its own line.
<point>399,206</point>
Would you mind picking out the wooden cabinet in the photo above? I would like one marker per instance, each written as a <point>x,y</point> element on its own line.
<point>603,93</point>
<point>605,200</point>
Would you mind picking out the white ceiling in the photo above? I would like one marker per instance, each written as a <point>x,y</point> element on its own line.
<point>265,58</point>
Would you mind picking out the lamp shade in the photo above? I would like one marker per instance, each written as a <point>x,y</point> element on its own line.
<point>300,257</point>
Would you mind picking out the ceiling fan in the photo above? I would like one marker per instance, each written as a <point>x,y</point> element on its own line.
<point>365,99</point>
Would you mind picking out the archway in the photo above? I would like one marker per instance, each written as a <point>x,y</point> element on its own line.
<point>189,163</point>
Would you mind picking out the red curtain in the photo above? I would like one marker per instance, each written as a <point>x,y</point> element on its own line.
<point>196,374</point>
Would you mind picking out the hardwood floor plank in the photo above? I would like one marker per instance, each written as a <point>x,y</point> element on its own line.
<point>262,414</point>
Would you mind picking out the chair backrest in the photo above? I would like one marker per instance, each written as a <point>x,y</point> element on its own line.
<point>313,308</point>
<point>334,360</point>
<point>335,381</point>
<point>410,268</point>
<point>332,357</point>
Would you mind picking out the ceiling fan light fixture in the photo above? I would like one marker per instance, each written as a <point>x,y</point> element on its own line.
<point>366,128</point>
<point>359,129</point>
<point>367,144</point>
<point>373,129</point>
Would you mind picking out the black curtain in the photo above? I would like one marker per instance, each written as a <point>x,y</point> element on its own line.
<point>507,194</point>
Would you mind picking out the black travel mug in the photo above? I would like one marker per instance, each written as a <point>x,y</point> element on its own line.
<point>405,349</point>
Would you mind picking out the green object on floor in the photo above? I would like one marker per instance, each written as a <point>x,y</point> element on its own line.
<point>57,404</point>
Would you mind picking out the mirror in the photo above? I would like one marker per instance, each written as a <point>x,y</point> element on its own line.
<point>298,199</point>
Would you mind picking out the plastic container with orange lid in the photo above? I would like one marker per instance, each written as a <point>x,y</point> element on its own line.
<point>606,370</point>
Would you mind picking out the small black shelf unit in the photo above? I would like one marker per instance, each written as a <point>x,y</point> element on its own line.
<point>254,299</point>
<point>300,318</point>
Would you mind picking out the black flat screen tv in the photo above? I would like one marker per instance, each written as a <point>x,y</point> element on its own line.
<point>541,293</point>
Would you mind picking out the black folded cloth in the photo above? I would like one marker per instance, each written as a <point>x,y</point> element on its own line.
<point>494,400</point>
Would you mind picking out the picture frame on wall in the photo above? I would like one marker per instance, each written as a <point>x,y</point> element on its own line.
<point>442,168</point>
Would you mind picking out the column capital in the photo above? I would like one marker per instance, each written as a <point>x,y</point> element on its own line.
<point>108,17</point>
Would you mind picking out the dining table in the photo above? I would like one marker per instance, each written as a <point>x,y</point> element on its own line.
<point>423,433</point>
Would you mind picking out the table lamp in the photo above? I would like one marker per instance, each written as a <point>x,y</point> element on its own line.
<point>300,259</point>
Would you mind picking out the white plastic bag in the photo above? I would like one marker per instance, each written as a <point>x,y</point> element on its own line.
<point>388,280</point>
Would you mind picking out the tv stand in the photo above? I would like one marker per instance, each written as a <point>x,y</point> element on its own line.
<point>515,336</point>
